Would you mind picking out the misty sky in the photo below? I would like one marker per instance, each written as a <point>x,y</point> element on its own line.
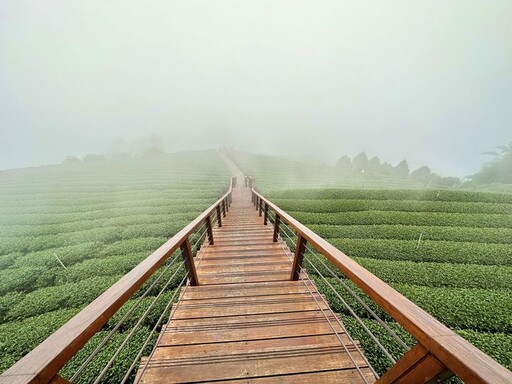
<point>430,81</point>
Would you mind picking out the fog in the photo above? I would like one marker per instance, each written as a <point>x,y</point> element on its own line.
<point>429,81</point>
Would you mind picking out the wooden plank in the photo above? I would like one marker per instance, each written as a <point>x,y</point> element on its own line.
<point>341,376</point>
<point>226,348</point>
<point>261,304</point>
<point>268,275</point>
<point>244,267</point>
<point>221,332</point>
<point>242,290</point>
<point>246,366</point>
<point>218,262</point>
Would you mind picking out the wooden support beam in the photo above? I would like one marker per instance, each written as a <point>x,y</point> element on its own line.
<point>276,228</point>
<point>299,256</point>
<point>265,215</point>
<point>189,262</point>
<point>416,366</point>
<point>209,230</point>
<point>219,219</point>
<point>59,380</point>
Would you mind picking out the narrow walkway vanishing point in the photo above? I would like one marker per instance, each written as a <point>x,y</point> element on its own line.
<point>248,321</point>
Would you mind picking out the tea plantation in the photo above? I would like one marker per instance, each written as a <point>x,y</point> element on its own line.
<point>450,252</point>
<point>100,219</point>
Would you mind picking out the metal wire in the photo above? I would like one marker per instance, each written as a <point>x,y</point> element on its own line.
<point>86,363</point>
<point>356,296</point>
<point>132,331</point>
<point>160,336</point>
<point>402,344</point>
<point>141,350</point>
<point>372,336</point>
<point>200,238</point>
<point>301,275</point>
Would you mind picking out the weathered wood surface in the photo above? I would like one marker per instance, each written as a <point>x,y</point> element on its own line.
<point>247,322</point>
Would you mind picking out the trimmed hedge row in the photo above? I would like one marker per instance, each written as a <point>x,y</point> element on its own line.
<point>396,194</point>
<point>347,205</point>
<point>428,251</point>
<point>412,232</point>
<point>477,220</point>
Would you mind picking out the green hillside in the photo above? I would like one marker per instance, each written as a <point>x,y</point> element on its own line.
<point>100,218</point>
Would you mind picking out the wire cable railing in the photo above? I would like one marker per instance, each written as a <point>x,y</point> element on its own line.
<point>401,342</point>
<point>105,341</point>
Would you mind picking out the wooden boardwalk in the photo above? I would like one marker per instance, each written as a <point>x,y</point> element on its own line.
<point>247,321</point>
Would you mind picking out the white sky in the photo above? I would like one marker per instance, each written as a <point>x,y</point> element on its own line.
<point>430,81</point>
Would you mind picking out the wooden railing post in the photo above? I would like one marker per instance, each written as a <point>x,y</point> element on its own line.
<point>260,207</point>
<point>226,204</point>
<point>189,262</point>
<point>219,219</point>
<point>223,204</point>
<point>265,215</point>
<point>257,202</point>
<point>276,228</point>
<point>299,255</point>
<point>209,230</point>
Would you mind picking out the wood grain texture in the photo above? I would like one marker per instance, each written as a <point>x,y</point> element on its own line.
<point>248,321</point>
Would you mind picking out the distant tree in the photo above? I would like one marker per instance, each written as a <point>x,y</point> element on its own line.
<point>360,162</point>
<point>422,174</point>
<point>71,160</point>
<point>402,169</point>
<point>448,182</point>
<point>94,158</point>
<point>499,169</point>
<point>344,163</point>
<point>374,165</point>
<point>154,151</point>
<point>387,169</point>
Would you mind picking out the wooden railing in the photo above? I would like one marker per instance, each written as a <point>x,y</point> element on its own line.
<point>438,353</point>
<point>44,362</point>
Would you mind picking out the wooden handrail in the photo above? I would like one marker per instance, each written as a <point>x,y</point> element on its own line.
<point>43,363</point>
<point>461,357</point>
